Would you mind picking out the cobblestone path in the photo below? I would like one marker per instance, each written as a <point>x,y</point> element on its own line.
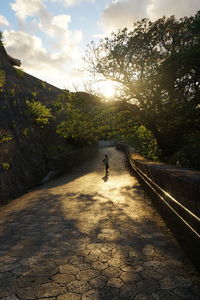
<point>84,236</point>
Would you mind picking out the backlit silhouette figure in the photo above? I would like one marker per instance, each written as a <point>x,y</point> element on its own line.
<point>105,161</point>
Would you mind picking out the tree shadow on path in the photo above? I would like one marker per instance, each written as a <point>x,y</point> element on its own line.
<point>103,243</point>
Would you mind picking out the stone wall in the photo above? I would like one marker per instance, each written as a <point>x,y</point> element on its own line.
<point>21,85</point>
<point>181,184</point>
<point>18,180</point>
<point>23,160</point>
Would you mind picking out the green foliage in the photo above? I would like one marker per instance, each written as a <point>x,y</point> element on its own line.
<point>43,84</point>
<point>78,122</point>
<point>26,132</point>
<point>5,166</point>
<point>2,78</point>
<point>19,72</point>
<point>188,155</point>
<point>38,113</point>
<point>5,138</point>
<point>34,94</point>
<point>144,143</point>
<point>58,150</point>
<point>12,92</point>
<point>157,65</point>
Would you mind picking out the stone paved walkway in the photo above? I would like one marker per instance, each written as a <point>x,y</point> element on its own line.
<point>86,237</point>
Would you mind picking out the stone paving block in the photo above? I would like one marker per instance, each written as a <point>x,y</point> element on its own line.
<point>84,266</point>
<point>89,259</point>
<point>81,238</point>
<point>111,272</point>
<point>115,262</point>
<point>95,252</point>
<point>11,297</point>
<point>129,277</point>
<point>106,249</point>
<point>71,269</point>
<point>182,282</point>
<point>27,281</point>
<point>41,291</point>
<point>87,274</point>
<point>186,293</point>
<point>147,286</point>
<point>104,257</point>
<point>69,296</point>
<point>109,293</point>
<point>75,260</point>
<point>128,291</point>
<point>166,295</point>
<point>142,296</point>
<point>91,295</point>
<point>99,265</point>
<point>98,282</point>
<point>94,246</point>
<point>115,282</point>
<point>42,270</point>
<point>49,298</point>
<point>63,278</point>
<point>78,286</point>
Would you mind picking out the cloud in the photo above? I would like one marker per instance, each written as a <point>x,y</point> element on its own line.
<point>36,60</point>
<point>56,26</point>
<point>24,8</point>
<point>122,13</point>
<point>29,49</point>
<point>72,2</point>
<point>3,21</point>
<point>179,8</point>
<point>51,58</point>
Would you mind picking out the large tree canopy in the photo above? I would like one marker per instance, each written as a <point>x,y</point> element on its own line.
<point>157,65</point>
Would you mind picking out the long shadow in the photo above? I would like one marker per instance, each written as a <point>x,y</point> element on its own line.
<point>69,244</point>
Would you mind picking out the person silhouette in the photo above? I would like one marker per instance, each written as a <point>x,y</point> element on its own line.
<point>105,161</point>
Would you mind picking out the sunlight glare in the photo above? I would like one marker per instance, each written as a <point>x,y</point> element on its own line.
<point>108,89</point>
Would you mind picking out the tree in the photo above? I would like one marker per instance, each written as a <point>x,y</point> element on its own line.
<point>164,94</point>
<point>77,115</point>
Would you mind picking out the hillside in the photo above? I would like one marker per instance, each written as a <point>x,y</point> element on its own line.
<point>27,136</point>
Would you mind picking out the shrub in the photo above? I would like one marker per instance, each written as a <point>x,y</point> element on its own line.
<point>5,166</point>
<point>37,112</point>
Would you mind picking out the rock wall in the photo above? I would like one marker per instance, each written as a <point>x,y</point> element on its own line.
<point>19,179</point>
<point>20,84</point>
<point>24,159</point>
<point>181,184</point>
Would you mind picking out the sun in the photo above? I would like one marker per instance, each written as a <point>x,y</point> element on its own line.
<point>107,89</point>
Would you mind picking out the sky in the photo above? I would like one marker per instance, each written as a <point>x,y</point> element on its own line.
<point>50,36</point>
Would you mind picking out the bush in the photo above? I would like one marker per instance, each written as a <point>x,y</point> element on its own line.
<point>144,142</point>
<point>6,166</point>
<point>188,156</point>
<point>37,112</point>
